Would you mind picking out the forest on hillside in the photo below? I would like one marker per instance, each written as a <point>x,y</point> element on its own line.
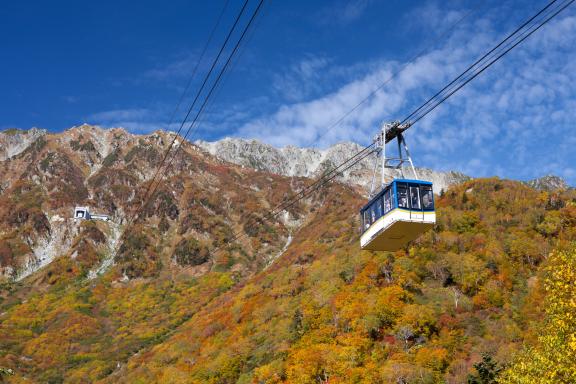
<point>487,296</point>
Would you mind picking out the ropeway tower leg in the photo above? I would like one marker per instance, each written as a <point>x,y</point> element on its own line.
<point>401,138</point>
<point>373,183</point>
<point>396,163</point>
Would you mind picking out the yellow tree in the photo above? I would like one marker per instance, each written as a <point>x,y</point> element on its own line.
<point>553,358</point>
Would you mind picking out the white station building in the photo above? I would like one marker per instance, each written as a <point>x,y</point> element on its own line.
<point>83,213</point>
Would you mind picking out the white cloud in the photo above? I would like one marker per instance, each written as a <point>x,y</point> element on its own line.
<point>157,117</point>
<point>344,11</point>
<point>70,99</point>
<point>432,18</point>
<point>301,79</point>
<point>508,121</point>
<point>137,120</point>
<point>122,114</point>
<point>179,68</point>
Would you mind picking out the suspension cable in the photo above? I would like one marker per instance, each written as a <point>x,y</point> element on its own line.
<point>147,197</point>
<point>494,55</point>
<point>428,106</point>
<point>198,93</point>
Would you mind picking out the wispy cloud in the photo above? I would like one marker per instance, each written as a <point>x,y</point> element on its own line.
<point>345,11</point>
<point>301,79</point>
<point>147,120</point>
<point>70,99</point>
<point>122,115</point>
<point>180,67</point>
<point>519,110</point>
<point>137,120</point>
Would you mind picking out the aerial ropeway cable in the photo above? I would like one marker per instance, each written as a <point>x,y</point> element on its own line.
<point>198,93</point>
<point>325,177</point>
<point>510,42</point>
<point>152,186</point>
<point>183,96</point>
<point>208,96</point>
<point>147,195</point>
<point>400,190</point>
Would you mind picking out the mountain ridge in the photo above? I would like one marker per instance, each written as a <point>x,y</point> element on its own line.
<point>287,161</point>
<point>312,162</point>
<point>72,166</point>
<point>47,174</point>
<point>548,183</point>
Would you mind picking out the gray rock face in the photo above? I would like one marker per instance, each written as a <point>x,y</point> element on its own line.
<point>310,162</point>
<point>548,183</point>
<point>15,141</point>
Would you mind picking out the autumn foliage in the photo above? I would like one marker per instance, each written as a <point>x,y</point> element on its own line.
<point>494,278</point>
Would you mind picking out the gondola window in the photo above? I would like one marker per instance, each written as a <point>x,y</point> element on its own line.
<point>387,201</point>
<point>415,197</point>
<point>427,197</point>
<point>402,196</point>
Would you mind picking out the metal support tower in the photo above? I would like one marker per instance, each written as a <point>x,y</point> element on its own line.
<point>389,132</point>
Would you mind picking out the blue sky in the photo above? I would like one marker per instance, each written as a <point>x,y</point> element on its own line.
<point>305,65</point>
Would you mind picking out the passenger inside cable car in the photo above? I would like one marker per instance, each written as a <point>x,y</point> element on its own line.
<point>399,213</point>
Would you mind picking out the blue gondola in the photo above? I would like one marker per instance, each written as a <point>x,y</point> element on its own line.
<point>399,213</point>
<point>401,210</point>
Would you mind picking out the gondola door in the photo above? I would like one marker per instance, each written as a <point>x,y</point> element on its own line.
<point>416,210</point>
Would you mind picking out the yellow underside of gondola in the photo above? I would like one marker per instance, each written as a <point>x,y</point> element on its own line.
<point>399,227</point>
<point>397,235</point>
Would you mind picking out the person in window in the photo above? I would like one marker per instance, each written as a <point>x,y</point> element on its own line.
<point>426,201</point>
<point>415,201</point>
<point>403,200</point>
<point>386,201</point>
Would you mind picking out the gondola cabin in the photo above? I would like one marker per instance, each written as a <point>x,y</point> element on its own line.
<point>398,214</point>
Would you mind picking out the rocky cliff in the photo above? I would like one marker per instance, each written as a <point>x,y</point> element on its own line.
<point>14,141</point>
<point>548,183</point>
<point>311,162</point>
<point>201,203</point>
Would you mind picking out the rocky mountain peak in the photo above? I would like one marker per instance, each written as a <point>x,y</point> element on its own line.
<point>107,170</point>
<point>14,141</point>
<point>311,162</point>
<point>548,183</point>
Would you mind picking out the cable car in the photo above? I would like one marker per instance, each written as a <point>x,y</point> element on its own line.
<point>399,213</point>
<point>402,209</point>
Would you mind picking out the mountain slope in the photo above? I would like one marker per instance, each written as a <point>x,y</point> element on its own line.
<point>15,141</point>
<point>294,300</point>
<point>79,284</point>
<point>548,183</point>
<point>327,312</point>
<point>108,170</point>
<point>323,310</point>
